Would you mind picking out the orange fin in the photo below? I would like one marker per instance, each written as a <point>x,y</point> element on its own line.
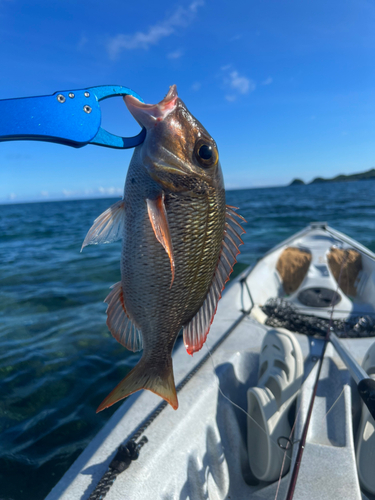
<point>119,323</point>
<point>196,331</point>
<point>143,376</point>
<point>159,221</point>
<point>108,226</point>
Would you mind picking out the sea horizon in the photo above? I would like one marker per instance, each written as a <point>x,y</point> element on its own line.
<point>118,196</point>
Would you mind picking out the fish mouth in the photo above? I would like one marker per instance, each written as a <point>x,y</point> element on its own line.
<point>148,115</point>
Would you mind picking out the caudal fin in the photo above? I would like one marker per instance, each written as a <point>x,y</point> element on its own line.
<point>142,377</point>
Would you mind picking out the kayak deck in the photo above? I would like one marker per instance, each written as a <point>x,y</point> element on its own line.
<point>200,452</point>
<point>319,242</point>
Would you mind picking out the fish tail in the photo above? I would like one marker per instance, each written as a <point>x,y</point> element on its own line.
<point>145,376</point>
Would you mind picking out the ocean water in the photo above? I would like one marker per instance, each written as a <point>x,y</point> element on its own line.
<point>57,359</point>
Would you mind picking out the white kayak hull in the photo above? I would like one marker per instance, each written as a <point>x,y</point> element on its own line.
<point>200,450</point>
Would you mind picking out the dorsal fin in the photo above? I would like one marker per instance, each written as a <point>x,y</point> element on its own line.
<point>108,226</point>
<point>196,331</point>
<point>119,323</point>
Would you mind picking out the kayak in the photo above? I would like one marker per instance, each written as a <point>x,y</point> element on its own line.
<point>244,399</point>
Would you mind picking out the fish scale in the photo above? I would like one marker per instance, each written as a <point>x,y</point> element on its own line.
<point>180,242</point>
<point>138,269</point>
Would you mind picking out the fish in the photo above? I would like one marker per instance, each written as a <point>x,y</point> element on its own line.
<point>179,244</point>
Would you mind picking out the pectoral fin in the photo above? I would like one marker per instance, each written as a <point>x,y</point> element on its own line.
<point>196,331</point>
<point>108,226</point>
<point>159,221</point>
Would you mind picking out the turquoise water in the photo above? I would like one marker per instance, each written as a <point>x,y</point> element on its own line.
<point>57,358</point>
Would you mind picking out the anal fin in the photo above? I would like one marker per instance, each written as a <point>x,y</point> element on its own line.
<point>108,226</point>
<point>119,323</point>
<point>196,331</point>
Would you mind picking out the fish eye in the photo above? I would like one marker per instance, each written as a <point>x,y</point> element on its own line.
<point>205,153</point>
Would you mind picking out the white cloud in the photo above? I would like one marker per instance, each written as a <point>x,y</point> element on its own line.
<point>267,81</point>
<point>45,194</point>
<point>240,83</point>
<point>196,86</point>
<point>12,196</point>
<point>110,190</point>
<point>100,191</point>
<point>175,54</point>
<point>237,84</point>
<point>68,193</point>
<point>143,40</point>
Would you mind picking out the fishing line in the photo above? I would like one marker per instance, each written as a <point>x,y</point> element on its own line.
<point>331,319</point>
<point>338,397</point>
<point>291,433</point>
<point>285,454</point>
<point>330,324</point>
<point>240,408</point>
<point>301,447</point>
<point>260,427</point>
<point>308,417</point>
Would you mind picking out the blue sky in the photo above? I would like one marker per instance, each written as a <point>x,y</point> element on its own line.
<point>285,87</point>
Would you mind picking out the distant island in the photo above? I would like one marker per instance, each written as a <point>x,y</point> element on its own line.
<point>296,182</point>
<point>363,176</point>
